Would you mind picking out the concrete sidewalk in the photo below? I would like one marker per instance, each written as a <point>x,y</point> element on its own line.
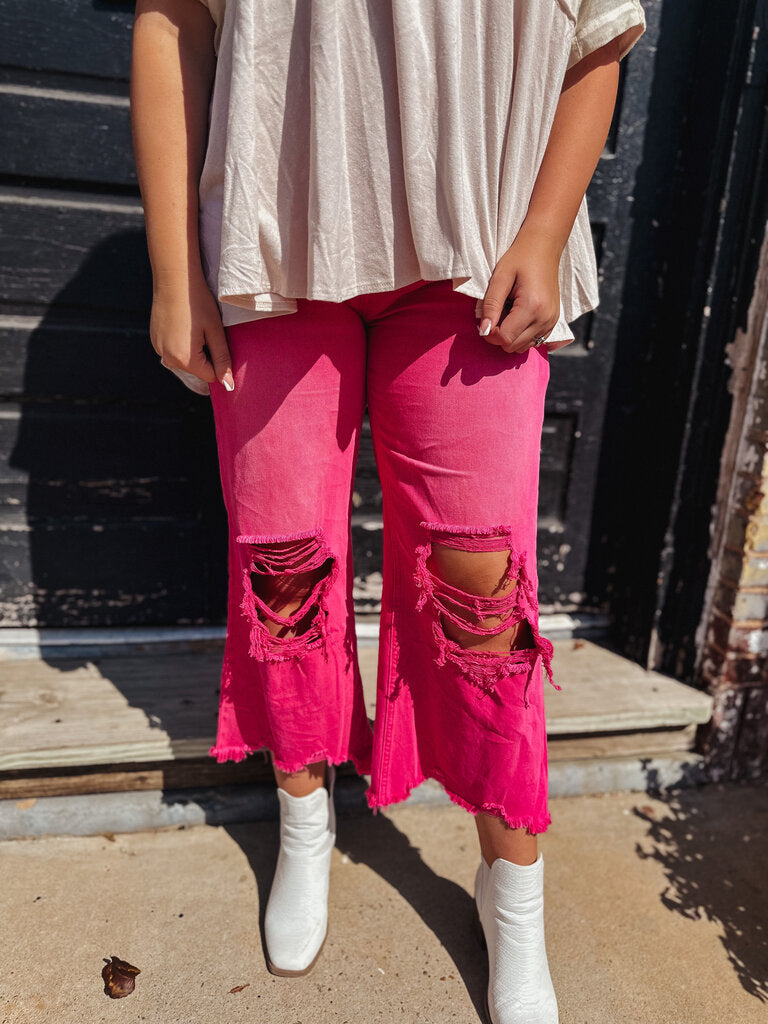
<point>656,914</point>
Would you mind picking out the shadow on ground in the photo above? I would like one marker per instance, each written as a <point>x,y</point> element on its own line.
<point>701,849</point>
<point>375,841</point>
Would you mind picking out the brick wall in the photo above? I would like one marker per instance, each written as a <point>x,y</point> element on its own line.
<point>733,662</point>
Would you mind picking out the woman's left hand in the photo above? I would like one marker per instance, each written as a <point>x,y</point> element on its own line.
<point>527,277</point>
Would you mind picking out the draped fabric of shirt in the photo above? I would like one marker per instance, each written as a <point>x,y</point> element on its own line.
<point>357,146</point>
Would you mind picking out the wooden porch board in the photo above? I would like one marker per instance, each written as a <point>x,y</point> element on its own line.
<point>621,744</point>
<point>603,691</point>
<point>155,708</point>
<point>195,773</point>
<point>77,779</point>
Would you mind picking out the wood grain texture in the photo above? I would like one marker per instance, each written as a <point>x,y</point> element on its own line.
<point>642,743</point>
<point>55,134</point>
<point>85,361</point>
<point>125,574</point>
<point>70,252</point>
<point>163,708</point>
<point>188,774</point>
<point>72,36</point>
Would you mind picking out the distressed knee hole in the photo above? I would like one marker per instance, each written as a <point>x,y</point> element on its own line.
<point>484,606</point>
<point>285,587</point>
<point>476,623</point>
<point>285,594</point>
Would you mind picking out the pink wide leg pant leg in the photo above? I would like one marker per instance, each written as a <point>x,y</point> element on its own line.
<point>456,425</point>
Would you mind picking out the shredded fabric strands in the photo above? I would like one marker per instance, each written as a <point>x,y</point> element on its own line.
<point>485,669</point>
<point>286,556</point>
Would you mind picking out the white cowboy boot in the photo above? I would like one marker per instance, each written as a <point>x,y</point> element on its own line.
<point>296,919</point>
<point>510,913</point>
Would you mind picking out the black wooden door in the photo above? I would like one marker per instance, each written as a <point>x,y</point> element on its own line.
<point>700,206</point>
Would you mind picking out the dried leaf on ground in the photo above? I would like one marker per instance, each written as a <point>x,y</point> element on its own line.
<point>119,977</point>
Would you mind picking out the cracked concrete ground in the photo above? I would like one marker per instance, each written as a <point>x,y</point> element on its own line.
<point>656,912</point>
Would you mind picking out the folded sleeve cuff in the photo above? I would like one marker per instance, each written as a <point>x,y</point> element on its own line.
<point>599,22</point>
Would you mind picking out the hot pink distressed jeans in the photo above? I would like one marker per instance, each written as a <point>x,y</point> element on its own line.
<point>456,425</point>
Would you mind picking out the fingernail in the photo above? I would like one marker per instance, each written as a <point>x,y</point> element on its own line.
<point>228,382</point>
<point>485,327</point>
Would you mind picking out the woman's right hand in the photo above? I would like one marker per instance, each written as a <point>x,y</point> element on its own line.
<point>186,331</point>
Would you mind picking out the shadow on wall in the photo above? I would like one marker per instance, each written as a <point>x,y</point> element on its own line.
<point>114,464</point>
<point>114,474</point>
<point>715,871</point>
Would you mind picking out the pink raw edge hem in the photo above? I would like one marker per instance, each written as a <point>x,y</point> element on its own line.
<point>535,827</point>
<point>322,755</point>
<point>237,754</point>
<point>476,531</point>
<point>280,538</point>
<point>240,753</point>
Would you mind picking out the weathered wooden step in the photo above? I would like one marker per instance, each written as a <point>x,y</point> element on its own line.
<point>148,712</point>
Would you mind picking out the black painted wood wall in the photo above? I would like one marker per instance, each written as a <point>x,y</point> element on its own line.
<point>111,512</point>
<point>110,508</point>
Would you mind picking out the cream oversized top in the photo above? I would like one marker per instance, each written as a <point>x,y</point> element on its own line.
<point>359,145</point>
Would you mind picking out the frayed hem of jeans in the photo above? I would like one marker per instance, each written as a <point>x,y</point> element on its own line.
<point>375,803</point>
<point>535,826</point>
<point>234,753</point>
<point>239,753</point>
<point>322,755</point>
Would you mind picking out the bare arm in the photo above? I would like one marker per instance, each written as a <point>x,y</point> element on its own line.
<point>173,64</point>
<point>528,271</point>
